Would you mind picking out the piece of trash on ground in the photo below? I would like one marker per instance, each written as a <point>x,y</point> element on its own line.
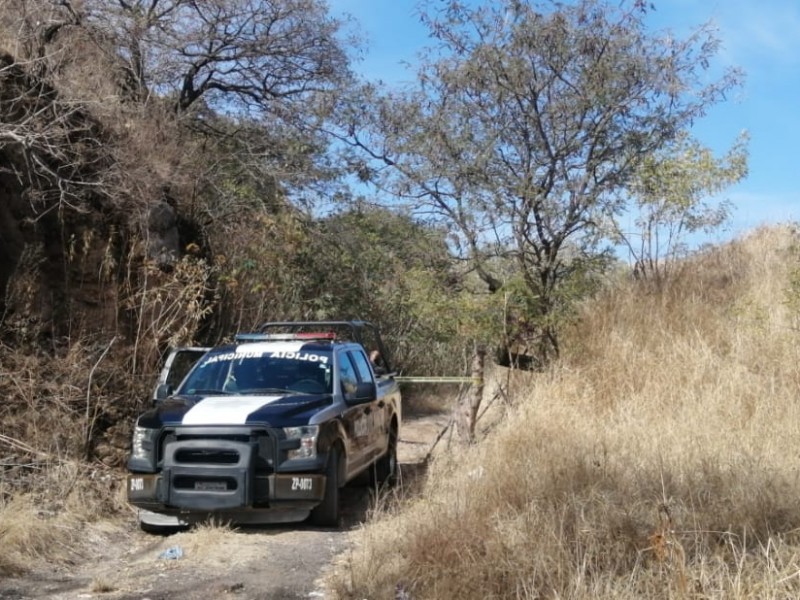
<point>173,553</point>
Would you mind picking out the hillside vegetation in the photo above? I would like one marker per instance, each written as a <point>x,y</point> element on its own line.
<point>658,458</point>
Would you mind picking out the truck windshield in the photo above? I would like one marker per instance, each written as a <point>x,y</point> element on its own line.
<point>267,368</point>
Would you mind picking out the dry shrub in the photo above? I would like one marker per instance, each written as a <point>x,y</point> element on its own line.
<point>53,416</point>
<point>169,308</point>
<point>25,536</point>
<point>260,280</point>
<point>212,541</point>
<point>654,461</point>
<point>78,403</point>
<point>102,586</point>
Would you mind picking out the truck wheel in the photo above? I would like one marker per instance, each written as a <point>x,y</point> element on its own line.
<point>326,514</point>
<point>160,529</point>
<point>385,470</point>
<point>158,524</point>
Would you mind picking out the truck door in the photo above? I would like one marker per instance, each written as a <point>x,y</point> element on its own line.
<point>178,363</point>
<point>375,411</point>
<point>355,417</point>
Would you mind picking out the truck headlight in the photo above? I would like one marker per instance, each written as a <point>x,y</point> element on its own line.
<point>143,443</point>
<point>307,435</point>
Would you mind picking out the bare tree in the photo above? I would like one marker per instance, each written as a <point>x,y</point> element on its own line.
<point>255,76</point>
<point>52,148</point>
<point>262,56</point>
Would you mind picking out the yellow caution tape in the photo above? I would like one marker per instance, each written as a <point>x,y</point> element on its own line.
<point>412,379</point>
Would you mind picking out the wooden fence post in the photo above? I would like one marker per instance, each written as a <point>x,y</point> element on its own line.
<point>470,403</point>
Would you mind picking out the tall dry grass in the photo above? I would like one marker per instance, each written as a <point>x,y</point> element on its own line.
<point>660,458</point>
<point>58,519</point>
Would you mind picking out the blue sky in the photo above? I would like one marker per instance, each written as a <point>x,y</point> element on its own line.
<point>761,37</point>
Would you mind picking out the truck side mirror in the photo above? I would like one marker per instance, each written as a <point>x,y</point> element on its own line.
<point>163,391</point>
<point>365,392</point>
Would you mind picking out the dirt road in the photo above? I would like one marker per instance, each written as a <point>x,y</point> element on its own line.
<point>268,562</point>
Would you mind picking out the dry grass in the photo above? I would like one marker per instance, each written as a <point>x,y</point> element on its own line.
<point>58,519</point>
<point>658,459</point>
<point>212,541</point>
<point>102,586</point>
<point>26,535</point>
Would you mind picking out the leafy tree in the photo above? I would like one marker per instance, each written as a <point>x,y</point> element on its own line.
<point>247,164</point>
<point>359,263</point>
<point>526,121</point>
<point>384,266</point>
<point>671,192</point>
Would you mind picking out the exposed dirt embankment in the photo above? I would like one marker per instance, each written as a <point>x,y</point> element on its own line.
<point>115,560</point>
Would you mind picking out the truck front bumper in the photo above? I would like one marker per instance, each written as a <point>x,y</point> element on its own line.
<point>210,492</point>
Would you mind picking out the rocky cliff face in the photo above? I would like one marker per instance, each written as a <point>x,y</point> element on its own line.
<point>92,283</point>
<point>12,217</point>
<point>72,238</point>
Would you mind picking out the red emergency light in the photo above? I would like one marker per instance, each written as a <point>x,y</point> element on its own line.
<point>323,335</point>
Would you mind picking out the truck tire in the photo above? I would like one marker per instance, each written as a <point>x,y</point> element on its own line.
<point>384,472</point>
<point>151,522</point>
<point>326,514</point>
<point>160,529</point>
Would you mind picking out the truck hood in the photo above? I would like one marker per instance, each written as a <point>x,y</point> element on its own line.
<point>287,410</point>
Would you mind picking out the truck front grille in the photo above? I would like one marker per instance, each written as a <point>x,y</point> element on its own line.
<point>206,457</point>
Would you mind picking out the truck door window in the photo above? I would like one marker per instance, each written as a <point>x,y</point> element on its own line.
<point>347,374</point>
<point>179,363</point>
<point>364,372</point>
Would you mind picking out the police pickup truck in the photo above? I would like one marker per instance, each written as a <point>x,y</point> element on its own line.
<point>267,429</point>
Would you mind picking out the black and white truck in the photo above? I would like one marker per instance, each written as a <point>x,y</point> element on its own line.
<point>266,429</point>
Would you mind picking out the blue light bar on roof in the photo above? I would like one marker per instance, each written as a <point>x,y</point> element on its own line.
<point>263,337</point>
<point>283,337</point>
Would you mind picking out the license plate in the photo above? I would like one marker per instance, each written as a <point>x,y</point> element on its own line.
<point>210,486</point>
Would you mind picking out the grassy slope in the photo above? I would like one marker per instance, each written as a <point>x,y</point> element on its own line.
<point>658,459</point>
